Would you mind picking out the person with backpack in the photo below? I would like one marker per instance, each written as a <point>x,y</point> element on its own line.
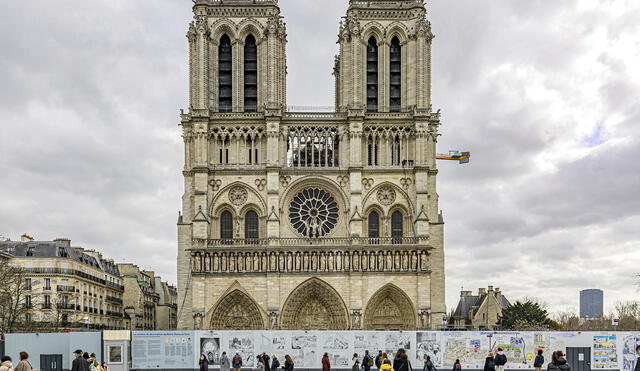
<point>500,360</point>
<point>237,362</point>
<point>428,365</point>
<point>224,362</point>
<point>558,362</point>
<point>539,361</point>
<point>489,363</point>
<point>274,363</point>
<point>367,361</point>
<point>5,364</point>
<point>378,360</point>
<point>401,361</point>
<point>326,365</point>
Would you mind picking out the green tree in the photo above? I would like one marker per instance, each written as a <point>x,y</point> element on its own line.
<point>527,315</point>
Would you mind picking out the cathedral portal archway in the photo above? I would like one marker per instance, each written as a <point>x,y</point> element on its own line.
<point>314,305</point>
<point>236,311</point>
<point>389,309</point>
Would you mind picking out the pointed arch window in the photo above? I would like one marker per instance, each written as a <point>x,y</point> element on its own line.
<point>251,229</point>
<point>374,225</point>
<point>250,75</point>
<point>225,70</point>
<point>372,150</point>
<point>397,224</point>
<point>372,75</point>
<point>226,225</point>
<point>395,75</point>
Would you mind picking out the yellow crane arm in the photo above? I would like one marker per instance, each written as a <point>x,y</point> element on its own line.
<point>461,157</point>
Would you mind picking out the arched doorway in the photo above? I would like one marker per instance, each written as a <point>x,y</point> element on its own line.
<point>389,309</point>
<point>236,311</point>
<point>314,305</point>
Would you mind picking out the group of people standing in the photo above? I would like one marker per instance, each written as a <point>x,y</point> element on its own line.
<point>496,361</point>
<point>264,362</point>
<point>82,361</point>
<point>381,361</point>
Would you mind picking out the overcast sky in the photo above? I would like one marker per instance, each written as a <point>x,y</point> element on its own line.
<point>545,94</point>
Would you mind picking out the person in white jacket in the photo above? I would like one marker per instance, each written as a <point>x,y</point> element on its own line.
<point>5,364</point>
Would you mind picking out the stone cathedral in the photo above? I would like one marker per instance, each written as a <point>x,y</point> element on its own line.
<point>310,220</point>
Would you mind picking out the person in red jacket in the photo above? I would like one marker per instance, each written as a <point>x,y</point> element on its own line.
<point>326,366</point>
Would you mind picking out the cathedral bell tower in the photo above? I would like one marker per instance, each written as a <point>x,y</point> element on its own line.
<point>310,220</point>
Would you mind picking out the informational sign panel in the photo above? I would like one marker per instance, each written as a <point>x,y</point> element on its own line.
<point>162,350</point>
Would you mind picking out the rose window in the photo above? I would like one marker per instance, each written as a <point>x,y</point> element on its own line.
<point>313,212</point>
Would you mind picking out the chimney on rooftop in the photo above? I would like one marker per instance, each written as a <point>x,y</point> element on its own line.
<point>65,242</point>
<point>482,291</point>
<point>490,288</point>
<point>26,238</point>
<point>465,293</point>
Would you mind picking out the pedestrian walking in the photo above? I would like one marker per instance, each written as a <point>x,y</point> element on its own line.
<point>203,362</point>
<point>79,363</point>
<point>457,366</point>
<point>355,363</point>
<point>6,364</point>
<point>428,365</point>
<point>500,360</point>
<point>558,362</point>
<point>260,364</point>
<point>326,365</point>
<point>23,365</point>
<point>489,363</point>
<point>637,368</point>
<point>539,361</point>
<point>265,359</point>
<point>378,360</point>
<point>367,361</point>
<point>274,363</point>
<point>288,363</point>
<point>225,365</point>
<point>237,362</point>
<point>401,361</point>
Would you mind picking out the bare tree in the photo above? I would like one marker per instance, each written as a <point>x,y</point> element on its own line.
<point>13,304</point>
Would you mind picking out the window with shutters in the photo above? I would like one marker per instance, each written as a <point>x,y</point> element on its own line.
<point>372,75</point>
<point>226,225</point>
<point>397,226</point>
<point>395,75</point>
<point>250,75</point>
<point>225,69</point>
<point>374,224</point>
<point>251,229</point>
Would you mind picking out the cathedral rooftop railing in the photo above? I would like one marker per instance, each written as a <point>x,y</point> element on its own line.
<point>389,242</point>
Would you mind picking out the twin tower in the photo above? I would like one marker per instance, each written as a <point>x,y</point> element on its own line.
<point>310,220</point>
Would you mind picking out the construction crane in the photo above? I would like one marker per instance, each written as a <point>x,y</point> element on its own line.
<point>461,157</point>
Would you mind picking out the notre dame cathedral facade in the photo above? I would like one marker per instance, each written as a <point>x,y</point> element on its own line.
<point>310,220</point>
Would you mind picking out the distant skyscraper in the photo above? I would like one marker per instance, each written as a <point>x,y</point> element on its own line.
<point>591,303</point>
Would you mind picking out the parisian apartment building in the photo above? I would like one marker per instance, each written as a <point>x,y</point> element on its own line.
<point>68,287</point>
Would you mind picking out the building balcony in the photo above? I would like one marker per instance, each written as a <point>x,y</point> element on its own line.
<point>65,306</point>
<point>310,242</point>
<point>114,314</point>
<point>61,288</point>
<point>113,299</point>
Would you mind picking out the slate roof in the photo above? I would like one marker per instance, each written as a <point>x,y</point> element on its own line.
<point>56,249</point>
<point>473,302</point>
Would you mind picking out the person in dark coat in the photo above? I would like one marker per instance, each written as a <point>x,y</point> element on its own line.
<point>265,359</point>
<point>457,366</point>
<point>204,364</point>
<point>500,360</point>
<point>539,361</point>
<point>428,365</point>
<point>489,363</point>
<point>326,365</point>
<point>637,368</point>
<point>401,361</point>
<point>367,361</point>
<point>288,363</point>
<point>275,363</point>
<point>379,359</point>
<point>79,363</point>
<point>558,362</point>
